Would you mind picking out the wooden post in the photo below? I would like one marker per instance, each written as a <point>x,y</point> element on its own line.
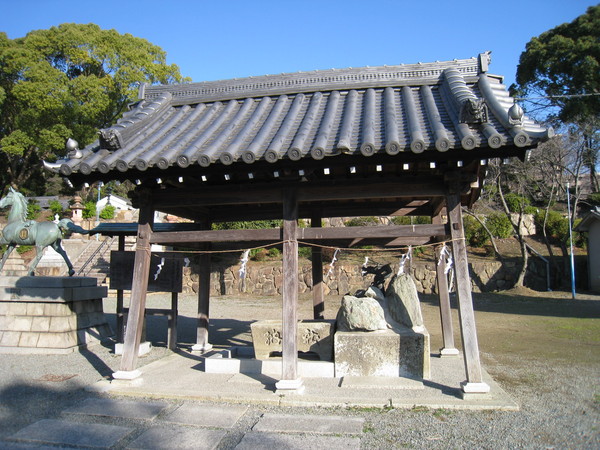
<point>202,344</point>
<point>289,370</point>
<point>474,383</point>
<point>120,322</point>
<point>449,348</point>
<point>317,272</point>
<point>139,287</point>
<point>172,321</point>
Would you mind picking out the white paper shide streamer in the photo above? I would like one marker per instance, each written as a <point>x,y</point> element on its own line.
<point>446,253</point>
<point>332,264</point>
<point>243,262</point>
<point>407,256</point>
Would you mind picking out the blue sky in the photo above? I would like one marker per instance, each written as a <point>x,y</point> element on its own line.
<point>212,40</point>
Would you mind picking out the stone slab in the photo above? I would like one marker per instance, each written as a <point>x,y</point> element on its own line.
<point>270,441</point>
<point>384,353</point>
<point>173,437</point>
<point>381,383</point>
<point>125,409</point>
<point>207,415</point>
<point>60,432</point>
<point>291,423</point>
<point>220,363</point>
<point>52,294</point>
<point>43,282</point>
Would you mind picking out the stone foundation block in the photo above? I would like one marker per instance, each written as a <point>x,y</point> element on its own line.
<point>385,353</point>
<point>314,336</point>
<point>48,315</point>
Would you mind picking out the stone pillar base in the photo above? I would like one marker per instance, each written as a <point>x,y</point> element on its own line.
<point>472,391</point>
<point>446,352</point>
<point>202,348</point>
<point>126,374</point>
<point>290,386</point>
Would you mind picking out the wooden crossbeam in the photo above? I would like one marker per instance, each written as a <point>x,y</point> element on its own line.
<point>303,234</point>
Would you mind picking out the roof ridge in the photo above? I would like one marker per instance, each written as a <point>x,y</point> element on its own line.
<point>318,80</point>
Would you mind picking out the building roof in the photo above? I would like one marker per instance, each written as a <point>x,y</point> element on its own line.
<point>401,113</point>
<point>589,219</point>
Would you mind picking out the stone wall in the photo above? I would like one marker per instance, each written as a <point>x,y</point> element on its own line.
<point>267,278</point>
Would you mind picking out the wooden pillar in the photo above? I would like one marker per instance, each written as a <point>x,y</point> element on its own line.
<point>289,370</point>
<point>202,344</point>
<point>317,272</point>
<point>137,304</point>
<point>448,349</point>
<point>172,322</point>
<point>120,322</point>
<point>474,383</point>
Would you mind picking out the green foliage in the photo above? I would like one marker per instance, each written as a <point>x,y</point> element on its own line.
<point>108,212</point>
<point>56,207</point>
<point>362,222</point>
<point>23,249</point>
<point>411,220</point>
<point>67,81</point>
<point>305,252</point>
<point>499,225</point>
<point>89,210</point>
<point>557,225</point>
<point>33,210</point>
<point>248,225</point>
<point>594,198</point>
<point>475,234</point>
<point>274,252</point>
<point>516,203</point>
<point>565,61</point>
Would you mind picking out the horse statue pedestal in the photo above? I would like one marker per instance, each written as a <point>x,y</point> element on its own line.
<point>51,315</point>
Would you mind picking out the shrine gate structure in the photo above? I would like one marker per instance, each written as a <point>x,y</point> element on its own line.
<point>377,141</point>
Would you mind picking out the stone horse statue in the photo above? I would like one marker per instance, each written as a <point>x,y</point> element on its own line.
<point>20,231</point>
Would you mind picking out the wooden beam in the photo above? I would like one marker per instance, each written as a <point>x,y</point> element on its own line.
<point>304,234</point>
<point>388,231</point>
<point>468,330</point>
<point>420,187</point>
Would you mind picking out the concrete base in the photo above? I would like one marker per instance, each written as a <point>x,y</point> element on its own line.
<point>290,386</point>
<point>126,374</point>
<point>144,349</point>
<point>387,353</point>
<point>51,315</point>
<point>474,390</point>
<point>240,360</point>
<point>202,348</point>
<point>445,352</point>
<point>314,336</point>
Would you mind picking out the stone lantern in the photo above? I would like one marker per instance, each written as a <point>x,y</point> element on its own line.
<point>77,211</point>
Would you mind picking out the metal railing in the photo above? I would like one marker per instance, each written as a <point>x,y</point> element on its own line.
<point>98,253</point>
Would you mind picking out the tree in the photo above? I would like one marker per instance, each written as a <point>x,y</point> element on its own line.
<point>67,82</point>
<point>560,72</point>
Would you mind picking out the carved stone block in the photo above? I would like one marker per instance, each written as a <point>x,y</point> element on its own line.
<point>314,336</point>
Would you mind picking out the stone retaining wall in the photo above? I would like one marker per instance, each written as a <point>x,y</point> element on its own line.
<point>267,279</point>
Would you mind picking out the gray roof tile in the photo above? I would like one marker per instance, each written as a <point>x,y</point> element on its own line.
<point>398,110</point>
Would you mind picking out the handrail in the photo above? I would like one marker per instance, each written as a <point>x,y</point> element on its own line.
<point>536,253</point>
<point>106,244</point>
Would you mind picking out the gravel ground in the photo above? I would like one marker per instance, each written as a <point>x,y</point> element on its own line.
<point>555,378</point>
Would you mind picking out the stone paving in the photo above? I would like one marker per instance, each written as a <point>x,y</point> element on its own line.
<point>142,424</point>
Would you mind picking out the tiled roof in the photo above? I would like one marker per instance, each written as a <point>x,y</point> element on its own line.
<point>399,111</point>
